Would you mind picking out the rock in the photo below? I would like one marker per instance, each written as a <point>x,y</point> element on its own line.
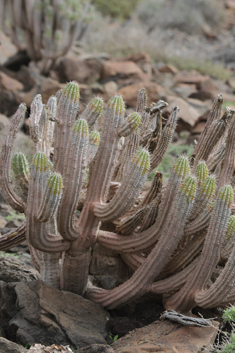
<point>187,113</point>
<point>168,68</point>
<point>10,102</point>
<point>96,348</point>
<point>198,128</point>
<point>10,84</point>
<point>202,82</point>
<point>37,313</point>
<point>49,87</point>
<point>230,4</point>
<point>29,76</point>
<point>14,270</point>
<point>7,48</point>
<point>200,106</point>
<point>121,69</point>
<point>129,93</point>
<point>82,71</point>
<point>165,336</point>
<point>202,95</point>
<point>143,61</point>
<point>205,87</point>
<point>10,347</point>
<point>138,58</point>
<point>208,32</point>
<point>16,61</point>
<point>184,90</point>
<point>110,88</point>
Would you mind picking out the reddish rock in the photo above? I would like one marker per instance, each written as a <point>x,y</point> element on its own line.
<point>129,93</point>
<point>200,106</point>
<point>198,128</point>
<point>123,69</point>
<point>144,62</point>
<point>204,84</point>
<point>230,4</point>
<point>110,88</point>
<point>168,68</point>
<point>207,85</point>
<point>208,32</point>
<point>49,87</point>
<point>139,58</point>
<point>191,77</point>
<point>83,71</point>
<point>7,49</point>
<point>10,84</point>
<point>167,337</point>
<point>187,114</point>
<point>184,90</point>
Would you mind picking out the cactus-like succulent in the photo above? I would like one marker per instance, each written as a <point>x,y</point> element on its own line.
<point>49,27</point>
<point>172,236</point>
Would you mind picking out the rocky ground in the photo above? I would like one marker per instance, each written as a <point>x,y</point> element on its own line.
<point>100,74</point>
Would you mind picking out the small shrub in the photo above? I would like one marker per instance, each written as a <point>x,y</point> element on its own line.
<point>185,15</point>
<point>228,345</point>
<point>121,9</point>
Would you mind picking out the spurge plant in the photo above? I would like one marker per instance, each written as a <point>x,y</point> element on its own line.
<point>176,238</point>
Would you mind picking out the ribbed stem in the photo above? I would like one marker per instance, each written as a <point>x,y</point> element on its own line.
<point>165,139</point>
<point>5,161</point>
<point>213,135</point>
<point>75,271</point>
<point>13,238</point>
<point>142,241</point>
<point>158,257</point>
<point>184,300</point>
<point>128,191</point>
<point>213,116</point>
<point>36,232</point>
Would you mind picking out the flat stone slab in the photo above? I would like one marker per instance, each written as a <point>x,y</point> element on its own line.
<point>168,337</point>
<point>33,312</point>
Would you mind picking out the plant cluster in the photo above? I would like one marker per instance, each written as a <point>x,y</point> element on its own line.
<point>172,237</point>
<point>46,29</point>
